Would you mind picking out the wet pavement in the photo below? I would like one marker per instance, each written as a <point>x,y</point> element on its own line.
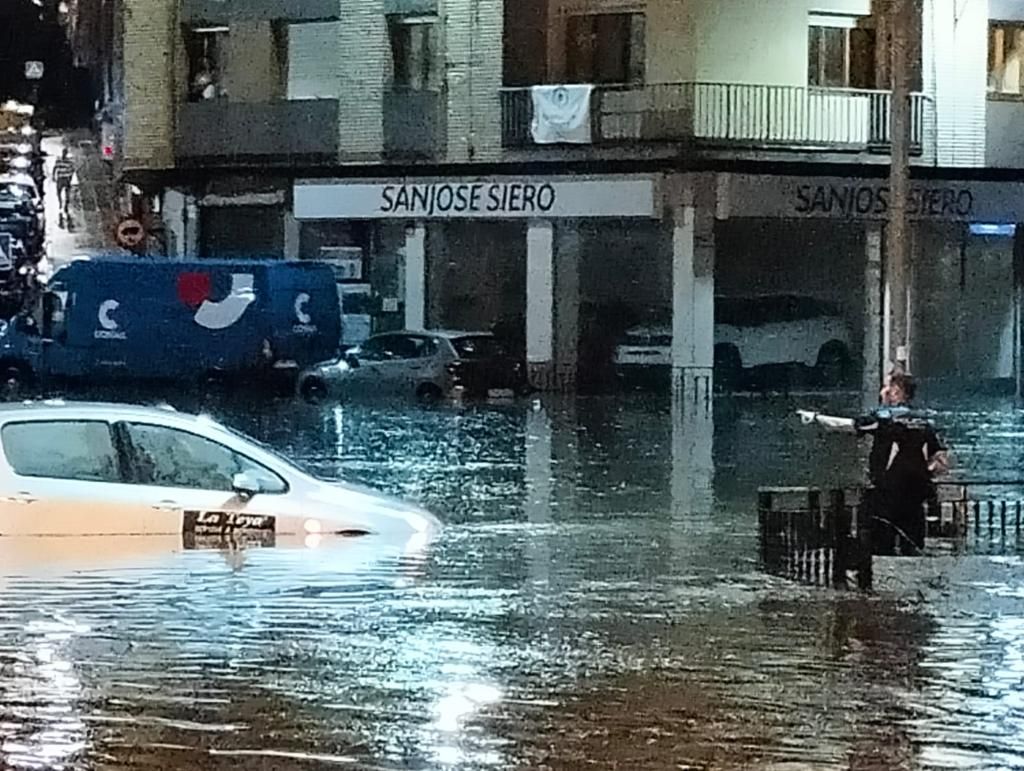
<point>594,602</point>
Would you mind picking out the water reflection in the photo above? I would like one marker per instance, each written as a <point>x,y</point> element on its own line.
<point>593,602</point>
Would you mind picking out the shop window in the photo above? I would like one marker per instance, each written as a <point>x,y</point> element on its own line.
<point>840,52</point>
<point>207,52</point>
<point>1006,58</point>
<point>414,52</point>
<point>605,48</point>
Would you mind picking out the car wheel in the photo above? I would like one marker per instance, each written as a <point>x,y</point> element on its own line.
<point>728,367</point>
<point>429,393</point>
<point>833,364</point>
<point>313,390</point>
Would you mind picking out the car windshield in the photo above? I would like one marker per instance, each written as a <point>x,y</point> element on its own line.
<point>477,347</point>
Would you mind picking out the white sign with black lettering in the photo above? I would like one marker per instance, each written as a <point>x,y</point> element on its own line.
<point>475,199</point>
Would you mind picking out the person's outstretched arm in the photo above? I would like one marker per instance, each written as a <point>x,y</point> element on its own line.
<point>829,422</point>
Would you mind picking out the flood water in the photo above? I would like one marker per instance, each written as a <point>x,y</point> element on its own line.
<point>594,602</point>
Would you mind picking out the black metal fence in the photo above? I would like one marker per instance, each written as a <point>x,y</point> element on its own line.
<point>814,540</point>
<point>825,539</point>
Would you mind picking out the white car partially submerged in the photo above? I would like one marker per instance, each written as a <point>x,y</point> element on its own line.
<point>80,469</point>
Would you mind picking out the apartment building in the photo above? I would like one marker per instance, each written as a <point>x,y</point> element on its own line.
<point>551,167</point>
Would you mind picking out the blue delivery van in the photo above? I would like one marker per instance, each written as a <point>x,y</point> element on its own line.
<point>107,319</point>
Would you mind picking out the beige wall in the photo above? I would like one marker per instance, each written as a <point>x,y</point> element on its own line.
<point>473,35</point>
<point>725,41</point>
<point>150,53</point>
<point>362,55</point>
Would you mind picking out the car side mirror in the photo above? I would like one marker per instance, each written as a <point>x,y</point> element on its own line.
<point>246,486</point>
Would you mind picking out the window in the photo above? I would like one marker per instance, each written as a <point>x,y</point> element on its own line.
<point>82,451</point>
<point>605,48</point>
<point>207,52</point>
<point>392,347</point>
<point>414,52</point>
<point>478,347</point>
<point>167,457</point>
<point>840,52</point>
<point>1006,58</point>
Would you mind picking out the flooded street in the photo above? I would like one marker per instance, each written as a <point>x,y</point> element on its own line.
<point>594,602</point>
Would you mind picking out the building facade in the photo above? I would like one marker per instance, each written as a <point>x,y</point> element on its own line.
<point>563,169</point>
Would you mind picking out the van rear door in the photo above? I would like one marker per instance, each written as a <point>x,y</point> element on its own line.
<point>305,316</point>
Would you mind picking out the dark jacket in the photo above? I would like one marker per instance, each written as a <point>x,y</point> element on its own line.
<point>904,443</point>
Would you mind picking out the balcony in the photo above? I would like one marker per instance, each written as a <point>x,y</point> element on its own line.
<point>415,125</point>
<point>304,131</point>
<point>726,115</point>
<point>227,11</point>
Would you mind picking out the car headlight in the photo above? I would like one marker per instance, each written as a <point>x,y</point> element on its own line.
<point>312,526</point>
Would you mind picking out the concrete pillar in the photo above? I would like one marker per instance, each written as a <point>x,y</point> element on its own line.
<point>539,469</point>
<point>874,346</point>
<point>693,472</point>
<point>414,267</point>
<point>693,304</point>
<point>291,236</point>
<point>568,247</point>
<point>540,303</point>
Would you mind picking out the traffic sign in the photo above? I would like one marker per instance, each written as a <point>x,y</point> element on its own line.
<point>130,233</point>
<point>34,70</point>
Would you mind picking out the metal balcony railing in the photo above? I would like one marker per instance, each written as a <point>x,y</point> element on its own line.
<point>729,114</point>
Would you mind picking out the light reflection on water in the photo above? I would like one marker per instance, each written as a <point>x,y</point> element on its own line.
<point>593,601</point>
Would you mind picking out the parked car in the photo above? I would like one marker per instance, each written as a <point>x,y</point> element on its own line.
<point>752,332</point>
<point>112,320</point>
<point>70,469</point>
<point>427,365</point>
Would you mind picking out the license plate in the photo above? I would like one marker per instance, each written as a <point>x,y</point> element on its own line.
<point>227,529</point>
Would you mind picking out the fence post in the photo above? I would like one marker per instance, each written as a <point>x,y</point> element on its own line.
<point>838,536</point>
<point>764,508</point>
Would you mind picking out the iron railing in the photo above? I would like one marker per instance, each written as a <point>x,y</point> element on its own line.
<point>729,114</point>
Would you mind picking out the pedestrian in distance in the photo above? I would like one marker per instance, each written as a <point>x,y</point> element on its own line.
<point>64,176</point>
<point>906,456</point>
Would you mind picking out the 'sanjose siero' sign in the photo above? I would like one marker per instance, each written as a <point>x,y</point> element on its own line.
<point>496,198</point>
<point>872,200</point>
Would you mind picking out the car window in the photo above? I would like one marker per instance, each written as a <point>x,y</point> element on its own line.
<point>477,347</point>
<point>392,347</point>
<point>169,457</point>
<point>82,451</point>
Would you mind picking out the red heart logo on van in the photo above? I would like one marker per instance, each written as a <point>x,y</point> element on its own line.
<point>194,288</point>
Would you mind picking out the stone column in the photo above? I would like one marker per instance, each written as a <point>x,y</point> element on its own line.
<point>693,305</point>
<point>567,304</point>
<point>292,233</point>
<point>540,303</point>
<point>874,348</point>
<point>414,265</point>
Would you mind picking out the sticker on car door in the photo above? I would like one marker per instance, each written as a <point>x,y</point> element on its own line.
<point>227,530</point>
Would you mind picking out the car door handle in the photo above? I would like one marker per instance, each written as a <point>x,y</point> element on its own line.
<point>168,506</point>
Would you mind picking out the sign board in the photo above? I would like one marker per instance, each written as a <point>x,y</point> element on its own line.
<point>792,197</point>
<point>34,70</point>
<point>130,233</point>
<point>460,198</point>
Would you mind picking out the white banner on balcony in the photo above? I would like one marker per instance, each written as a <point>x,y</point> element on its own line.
<point>561,114</point>
<point>461,198</point>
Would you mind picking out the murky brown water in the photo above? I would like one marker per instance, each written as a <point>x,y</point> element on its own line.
<point>593,603</point>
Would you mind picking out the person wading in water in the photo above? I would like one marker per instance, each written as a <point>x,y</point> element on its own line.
<point>906,455</point>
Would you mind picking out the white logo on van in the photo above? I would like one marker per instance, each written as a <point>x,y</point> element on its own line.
<point>226,312</point>
<point>110,330</point>
<point>305,325</point>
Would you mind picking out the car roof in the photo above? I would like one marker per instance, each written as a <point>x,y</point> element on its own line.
<point>71,410</point>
